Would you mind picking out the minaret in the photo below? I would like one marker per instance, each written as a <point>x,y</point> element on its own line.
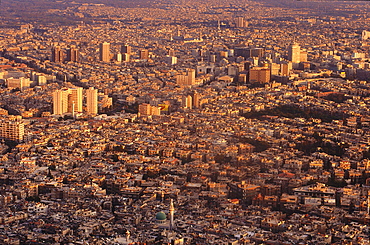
<point>172,211</point>
<point>128,236</point>
<point>73,110</point>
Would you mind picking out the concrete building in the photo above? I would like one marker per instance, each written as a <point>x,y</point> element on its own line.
<point>73,54</point>
<point>67,100</point>
<point>75,99</point>
<point>57,55</point>
<point>126,49</point>
<point>60,101</point>
<point>259,75</point>
<point>187,102</point>
<point>21,83</point>
<point>294,54</point>
<point>187,79</point>
<point>92,101</point>
<point>104,52</point>
<point>12,128</point>
<point>144,54</point>
<point>240,22</point>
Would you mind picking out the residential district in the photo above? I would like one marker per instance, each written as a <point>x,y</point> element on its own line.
<point>187,123</point>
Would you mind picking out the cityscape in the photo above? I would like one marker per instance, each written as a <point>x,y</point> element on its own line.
<point>184,122</point>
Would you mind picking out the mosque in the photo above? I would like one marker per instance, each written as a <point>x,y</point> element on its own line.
<point>163,222</point>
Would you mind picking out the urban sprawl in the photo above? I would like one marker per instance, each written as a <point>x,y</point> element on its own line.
<point>210,122</point>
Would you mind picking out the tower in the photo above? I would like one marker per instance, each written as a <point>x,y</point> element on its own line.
<point>104,50</point>
<point>196,100</point>
<point>240,22</point>
<point>92,101</point>
<point>73,54</point>
<point>60,101</point>
<point>67,100</point>
<point>119,57</point>
<point>191,76</point>
<point>172,212</point>
<point>57,55</point>
<point>187,102</point>
<point>126,57</point>
<point>75,100</point>
<point>126,49</point>
<point>294,54</point>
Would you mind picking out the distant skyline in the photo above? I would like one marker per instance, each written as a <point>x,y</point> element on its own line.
<point>28,11</point>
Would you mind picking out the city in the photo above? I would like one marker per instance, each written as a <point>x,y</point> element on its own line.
<point>184,122</point>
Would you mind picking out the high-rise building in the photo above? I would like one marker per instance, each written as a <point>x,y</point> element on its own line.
<point>73,54</point>
<point>57,55</point>
<point>144,54</point>
<point>60,101</point>
<point>75,98</point>
<point>119,57</point>
<point>259,75</point>
<point>104,50</point>
<point>126,57</point>
<point>187,102</point>
<point>67,100</point>
<point>126,49</point>
<point>240,22</point>
<point>294,54</point>
<point>196,100</point>
<point>92,101</point>
<point>12,128</point>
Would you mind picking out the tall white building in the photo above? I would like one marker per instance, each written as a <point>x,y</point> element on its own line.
<point>75,100</point>
<point>294,54</point>
<point>104,50</point>
<point>240,22</point>
<point>67,100</point>
<point>60,101</point>
<point>187,102</point>
<point>92,101</point>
